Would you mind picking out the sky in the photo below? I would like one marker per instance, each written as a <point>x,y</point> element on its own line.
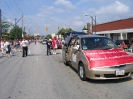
<point>75,14</point>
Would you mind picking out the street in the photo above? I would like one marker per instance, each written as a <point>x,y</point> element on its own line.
<point>39,76</point>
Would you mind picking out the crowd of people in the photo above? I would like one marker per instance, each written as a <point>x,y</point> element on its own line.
<point>52,44</point>
<point>125,47</point>
<point>7,46</point>
<point>22,45</point>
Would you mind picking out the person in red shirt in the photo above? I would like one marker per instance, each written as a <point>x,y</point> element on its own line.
<point>35,41</point>
<point>54,44</point>
<point>123,46</point>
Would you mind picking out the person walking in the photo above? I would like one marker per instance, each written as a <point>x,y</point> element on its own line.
<point>35,41</point>
<point>2,47</point>
<point>54,44</point>
<point>48,43</point>
<point>24,45</point>
<point>7,46</point>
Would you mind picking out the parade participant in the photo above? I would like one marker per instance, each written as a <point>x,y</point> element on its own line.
<point>35,41</point>
<point>123,46</point>
<point>7,46</point>
<point>2,47</point>
<point>54,44</point>
<point>24,45</point>
<point>48,43</point>
<point>15,45</point>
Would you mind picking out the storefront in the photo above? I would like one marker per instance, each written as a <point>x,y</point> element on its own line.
<point>116,30</point>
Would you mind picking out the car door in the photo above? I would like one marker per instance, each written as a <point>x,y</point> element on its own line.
<point>65,48</point>
<point>75,53</point>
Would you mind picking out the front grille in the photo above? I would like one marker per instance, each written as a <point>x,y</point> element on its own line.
<point>113,75</point>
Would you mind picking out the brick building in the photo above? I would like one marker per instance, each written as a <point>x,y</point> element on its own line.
<point>119,29</point>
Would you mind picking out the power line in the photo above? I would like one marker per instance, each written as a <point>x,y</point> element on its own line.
<point>13,6</point>
<point>8,7</point>
<point>17,6</point>
<point>6,19</point>
<point>6,14</point>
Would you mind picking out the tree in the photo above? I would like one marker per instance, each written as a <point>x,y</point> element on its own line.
<point>62,31</point>
<point>16,32</point>
<point>48,36</point>
<point>5,29</point>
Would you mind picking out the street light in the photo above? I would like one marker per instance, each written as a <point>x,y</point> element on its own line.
<point>92,22</point>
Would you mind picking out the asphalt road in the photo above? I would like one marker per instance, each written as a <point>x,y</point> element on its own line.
<point>46,77</point>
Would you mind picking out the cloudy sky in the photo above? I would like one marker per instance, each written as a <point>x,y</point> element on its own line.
<point>39,14</point>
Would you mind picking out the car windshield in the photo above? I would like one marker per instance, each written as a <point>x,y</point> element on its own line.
<point>97,43</point>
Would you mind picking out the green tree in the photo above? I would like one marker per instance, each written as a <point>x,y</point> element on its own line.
<point>5,29</point>
<point>48,36</point>
<point>63,31</point>
<point>16,32</point>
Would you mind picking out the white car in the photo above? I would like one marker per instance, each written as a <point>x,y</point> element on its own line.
<point>44,41</point>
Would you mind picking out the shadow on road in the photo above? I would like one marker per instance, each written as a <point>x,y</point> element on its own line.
<point>34,54</point>
<point>109,81</point>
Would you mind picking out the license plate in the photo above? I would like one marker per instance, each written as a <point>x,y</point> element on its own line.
<point>119,72</point>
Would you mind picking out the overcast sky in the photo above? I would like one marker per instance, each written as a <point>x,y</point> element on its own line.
<point>39,14</point>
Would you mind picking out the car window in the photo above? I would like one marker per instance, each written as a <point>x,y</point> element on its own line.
<point>97,43</point>
<point>108,43</point>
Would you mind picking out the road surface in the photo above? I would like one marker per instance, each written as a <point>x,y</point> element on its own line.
<point>39,76</point>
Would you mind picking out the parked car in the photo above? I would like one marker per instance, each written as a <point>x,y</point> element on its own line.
<point>59,45</point>
<point>44,41</point>
<point>127,42</point>
<point>97,57</point>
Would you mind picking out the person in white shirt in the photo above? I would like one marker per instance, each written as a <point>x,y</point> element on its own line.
<point>8,48</point>
<point>24,45</point>
<point>2,47</point>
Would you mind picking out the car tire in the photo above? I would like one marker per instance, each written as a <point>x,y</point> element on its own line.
<point>66,62</point>
<point>81,72</point>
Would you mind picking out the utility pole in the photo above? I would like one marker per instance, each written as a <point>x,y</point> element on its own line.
<point>22,26</point>
<point>95,24</point>
<point>92,24</point>
<point>0,26</point>
<point>15,22</point>
<point>15,28</point>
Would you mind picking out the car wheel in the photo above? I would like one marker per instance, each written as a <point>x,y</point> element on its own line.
<point>65,61</point>
<point>81,72</point>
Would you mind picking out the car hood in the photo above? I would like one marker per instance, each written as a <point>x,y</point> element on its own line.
<point>107,58</point>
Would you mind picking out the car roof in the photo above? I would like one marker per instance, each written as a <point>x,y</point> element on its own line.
<point>75,33</point>
<point>86,36</point>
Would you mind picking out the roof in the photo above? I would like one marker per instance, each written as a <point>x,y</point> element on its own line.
<point>115,25</point>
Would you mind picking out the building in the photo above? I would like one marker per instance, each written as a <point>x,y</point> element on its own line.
<point>36,34</point>
<point>116,30</point>
<point>85,30</point>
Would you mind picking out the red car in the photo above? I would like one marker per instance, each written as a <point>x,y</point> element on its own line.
<point>59,45</point>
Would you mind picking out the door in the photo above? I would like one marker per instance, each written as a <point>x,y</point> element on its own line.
<point>75,54</point>
<point>65,48</point>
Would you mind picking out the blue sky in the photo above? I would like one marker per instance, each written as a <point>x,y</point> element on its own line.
<point>39,14</point>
